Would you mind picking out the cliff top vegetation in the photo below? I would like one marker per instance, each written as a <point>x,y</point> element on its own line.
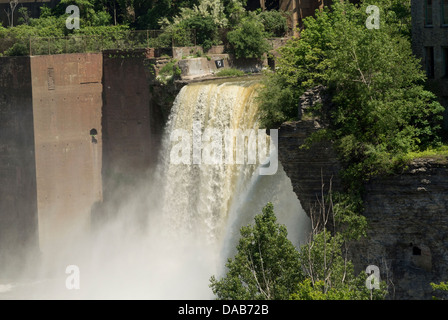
<point>209,22</point>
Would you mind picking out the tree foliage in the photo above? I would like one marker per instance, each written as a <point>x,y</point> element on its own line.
<point>248,39</point>
<point>205,19</point>
<point>441,290</point>
<point>381,109</point>
<point>266,265</point>
<point>275,22</point>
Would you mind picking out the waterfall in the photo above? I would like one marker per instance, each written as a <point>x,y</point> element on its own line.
<point>193,209</point>
<point>199,196</point>
<point>206,203</point>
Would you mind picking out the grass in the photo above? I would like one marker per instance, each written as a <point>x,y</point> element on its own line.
<point>439,154</point>
<point>230,72</point>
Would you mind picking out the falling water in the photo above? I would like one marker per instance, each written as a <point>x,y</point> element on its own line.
<point>208,204</point>
<point>194,213</point>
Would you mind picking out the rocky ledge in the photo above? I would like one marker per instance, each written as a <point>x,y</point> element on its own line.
<point>407,213</point>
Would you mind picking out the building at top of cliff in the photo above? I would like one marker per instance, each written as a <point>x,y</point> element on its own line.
<point>430,43</point>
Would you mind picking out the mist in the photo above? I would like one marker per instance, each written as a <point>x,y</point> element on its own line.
<point>164,235</point>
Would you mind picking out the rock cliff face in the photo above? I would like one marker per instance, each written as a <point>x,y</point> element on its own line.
<point>310,170</point>
<point>407,213</point>
<point>408,234</point>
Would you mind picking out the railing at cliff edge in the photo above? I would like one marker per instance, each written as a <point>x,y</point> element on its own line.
<point>124,40</point>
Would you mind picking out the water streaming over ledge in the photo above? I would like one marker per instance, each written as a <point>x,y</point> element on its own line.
<point>194,213</point>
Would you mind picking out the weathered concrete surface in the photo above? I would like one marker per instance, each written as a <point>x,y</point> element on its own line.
<point>130,147</point>
<point>67,105</point>
<point>182,52</point>
<point>200,67</point>
<point>18,193</point>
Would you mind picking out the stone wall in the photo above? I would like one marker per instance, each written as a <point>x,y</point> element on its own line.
<point>310,170</point>
<point>435,36</point>
<point>408,229</point>
<point>18,192</point>
<point>407,213</point>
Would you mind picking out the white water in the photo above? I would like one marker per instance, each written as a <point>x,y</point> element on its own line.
<point>193,214</point>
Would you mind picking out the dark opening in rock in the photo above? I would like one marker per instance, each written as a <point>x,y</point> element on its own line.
<point>416,251</point>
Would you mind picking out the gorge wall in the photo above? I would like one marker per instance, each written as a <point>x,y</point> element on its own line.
<point>408,228</point>
<point>407,213</point>
<point>72,126</point>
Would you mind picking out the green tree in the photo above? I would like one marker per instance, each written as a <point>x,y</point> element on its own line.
<point>329,274</point>
<point>24,15</point>
<point>381,109</point>
<point>88,15</point>
<point>234,11</point>
<point>202,21</point>
<point>248,39</point>
<point>266,265</point>
<point>274,22</point>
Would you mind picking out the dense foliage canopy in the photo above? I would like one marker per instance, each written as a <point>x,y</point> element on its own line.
<point>381,110</point>
<point>267,266</point>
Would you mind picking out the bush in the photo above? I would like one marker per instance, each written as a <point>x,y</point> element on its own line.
<point>275,23</point>
<point>18,49</point>
<point>206,30</point>
<point>248,39</point>
<point>268,266</point>
<point>230,73</point>
<point>380,108</point>
<point>169,72</point>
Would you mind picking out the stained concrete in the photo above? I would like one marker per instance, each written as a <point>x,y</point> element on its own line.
<point>18,191</point>
<point>67,101</point>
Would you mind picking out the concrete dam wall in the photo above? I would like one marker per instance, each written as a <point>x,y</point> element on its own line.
<point>69,124</point>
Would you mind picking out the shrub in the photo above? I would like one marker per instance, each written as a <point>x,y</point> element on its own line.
<point>18,49</point>
<point>206,30</point>
<point>230,72</point>
<point>169,72</point>
<point>248,39</point>
<point>380,108</point>
<point>275,23</point>
<point>266,266</point>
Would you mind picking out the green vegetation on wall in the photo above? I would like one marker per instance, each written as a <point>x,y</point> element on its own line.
<point>267,266</point>
<point>107,24</point>
<point>248,39</point>
<point>381,110</point>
